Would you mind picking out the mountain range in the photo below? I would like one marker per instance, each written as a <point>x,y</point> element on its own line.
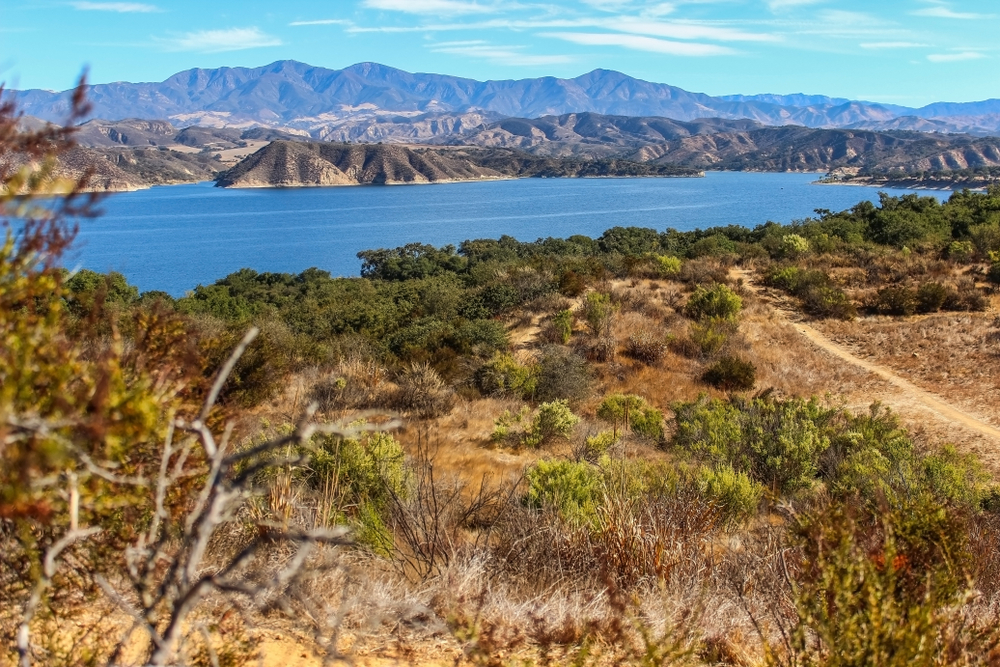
<point>330,104</point>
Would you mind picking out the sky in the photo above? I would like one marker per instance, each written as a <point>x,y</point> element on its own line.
<point>908,52</point>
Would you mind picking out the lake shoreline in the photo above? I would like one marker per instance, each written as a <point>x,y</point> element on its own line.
<point>172,238</point>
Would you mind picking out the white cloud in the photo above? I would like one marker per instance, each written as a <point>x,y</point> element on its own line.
<point>641,43</point>
<point>450,7</point>
<point>321,22</point>
<point>503,55</point>
<point>120,7</point>
<point>955,57</point>
<point>940,11</point>
<point>892,45</point>
<point>217,41</point>
<point>682,30</point>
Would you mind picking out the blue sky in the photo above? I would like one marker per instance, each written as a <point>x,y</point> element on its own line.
<point>909,52</point>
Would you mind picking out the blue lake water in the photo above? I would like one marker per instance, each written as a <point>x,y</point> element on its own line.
<point>174,238</point>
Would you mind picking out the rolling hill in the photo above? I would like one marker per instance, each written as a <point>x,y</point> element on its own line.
<point>297,164</point>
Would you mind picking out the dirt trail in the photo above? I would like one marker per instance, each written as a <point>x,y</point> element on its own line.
<point>912,394</point>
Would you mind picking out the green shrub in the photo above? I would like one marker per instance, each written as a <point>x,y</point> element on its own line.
<point>717,301</point>
<point>365,473</point>
<point>629,412</point>
<point>85,286</point>
<point>794,246</point>
<point>598,311</point>
<point>711,334</point>
<point>778,443</point>
<point>552,421</point>
<point>261,372</point>
<point>895,301</point>
<point>993,273</point>
<point>562,373</point>
<point>734,493</point>
<point>827,302</point>
<point>572,489</point>
<point>731,374</point>
<point>503,376</point>
<point>871,596</point>
<point>509,425</point>
<point>931,297</point>
<point>668,266</point>
<point>563,324</point>
<point>571,283</point>
<point>819,295</point>
<point>787,278</point>
<point>957,478</point>
<point>961,251</point>
<point>596,446</point>
<point>481,337</point>
<point>986,238</point>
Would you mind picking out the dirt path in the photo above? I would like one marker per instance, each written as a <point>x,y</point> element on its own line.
<point>913,395</point>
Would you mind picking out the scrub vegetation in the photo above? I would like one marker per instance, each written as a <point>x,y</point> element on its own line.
<point>567,451</point>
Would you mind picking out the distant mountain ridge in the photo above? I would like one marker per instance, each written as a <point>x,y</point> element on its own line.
<point>295,95</point>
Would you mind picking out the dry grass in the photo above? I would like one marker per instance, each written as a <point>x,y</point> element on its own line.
<point>952,355</point>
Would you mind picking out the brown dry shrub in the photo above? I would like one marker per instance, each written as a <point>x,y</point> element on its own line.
<point>703,271</point>
<point>352,384</point>
<point>646,346</point>
<point>422,392</point>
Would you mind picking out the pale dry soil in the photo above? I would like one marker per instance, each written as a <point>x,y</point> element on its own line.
<point>231,156</point>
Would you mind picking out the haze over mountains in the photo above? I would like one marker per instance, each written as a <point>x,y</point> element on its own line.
<point>333,104</point>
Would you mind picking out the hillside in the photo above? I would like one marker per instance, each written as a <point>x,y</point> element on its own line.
<point>590,134</point>
<point>291,164</point>
<point>128,169</point>
<point>803,149</point>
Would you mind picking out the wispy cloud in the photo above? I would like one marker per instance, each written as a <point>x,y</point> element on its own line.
<point>782,5</point>
<point>940,10</point>
<point>687,30</point>
<point>322,22</point>
<point>682,30</point>
<point>502,55</point>
<point>642,43</point>
<point>892,45</point>
<point>945,13</point>
<point>955,57</point>
<point>218,41</point>
<point>120,7</point>
<point>446,7</point>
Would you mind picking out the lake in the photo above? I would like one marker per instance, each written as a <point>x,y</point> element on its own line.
<point>176,237</point>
